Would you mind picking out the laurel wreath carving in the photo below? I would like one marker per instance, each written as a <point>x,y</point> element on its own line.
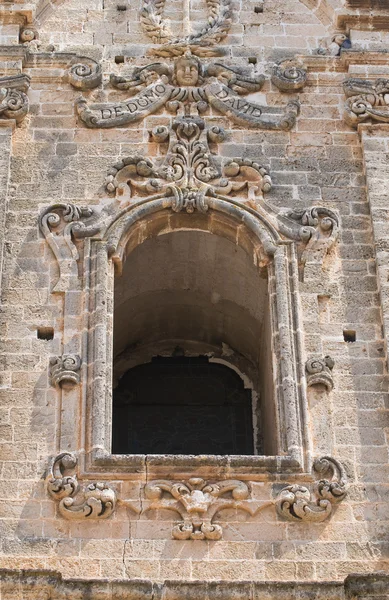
<point>219,22</point>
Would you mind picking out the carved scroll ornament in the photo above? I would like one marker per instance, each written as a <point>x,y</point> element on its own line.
<point>157,28</point>
<point>65,369</point>
<point>289,75</point>
<point>188,88</point>
<point>13,98</point>
<point>85,74</point>
<point>366,100</point>
<point>197,502</point>
<point>96,500</point>
<point>189,171</point>
<point>297,503</point>
<point>62,224</point>
<point>319,371</point>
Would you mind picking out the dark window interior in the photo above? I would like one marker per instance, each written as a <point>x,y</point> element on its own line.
<point>182,405</point>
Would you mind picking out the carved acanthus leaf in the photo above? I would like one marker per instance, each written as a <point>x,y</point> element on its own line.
<point>13,98</point>
<point>65,369</point>
<point>317,227</point>
<point>189,172</point>
<point>197,502</point>
<point>297,503</point>
<point>95,500</point>
<point>366,100</point>
<point>61,224</point>
<point>319,371</point>
<point>289,75</point>
<point>86,74</point>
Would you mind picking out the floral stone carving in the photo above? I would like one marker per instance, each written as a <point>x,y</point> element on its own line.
<point>157,28</point>
<point>186,88</point>
<point>366,100</point>
<point>319,371</point>
<point>62,224</point>
<point>96,500</point>
<point>197,502</point>
<point>13,97</point>
<point>298,503</point>
<point>65,369</point>
<point>189,171</point>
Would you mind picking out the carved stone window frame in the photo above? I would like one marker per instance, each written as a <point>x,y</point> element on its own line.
<point>90,247</point>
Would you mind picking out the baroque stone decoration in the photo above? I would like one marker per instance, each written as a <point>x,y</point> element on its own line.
<point>197,502</point>
<point>289,75</point>
<point>319,371</point>
<point>157,28</point>
<point>366,100</point>
<point>13,98</point>
<point>85,74</point>
<point>297,503</point>
<point>96,500</point>
<point>189,171</point>
<point>65,369</point>
<point>62,224</point>
<point>333,46</point>
<point>187,87</point>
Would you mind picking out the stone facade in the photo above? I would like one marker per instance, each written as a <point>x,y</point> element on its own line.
<point>209,178</point>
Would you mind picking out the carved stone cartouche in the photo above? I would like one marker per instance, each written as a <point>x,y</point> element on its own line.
<point>197,502</point>
<point>65,369</point>
<point>297,503</point>
<point>189,171</point>
<point>366,100</point>
<point>188,88</point>
<point>13,98</point>
<point>319,371</point>
<point>95,500</point>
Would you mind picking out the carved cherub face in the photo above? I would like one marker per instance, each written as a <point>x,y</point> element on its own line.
<point>187,71</point>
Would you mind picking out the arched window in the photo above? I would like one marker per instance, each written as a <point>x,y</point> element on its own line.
<point>192,362</point>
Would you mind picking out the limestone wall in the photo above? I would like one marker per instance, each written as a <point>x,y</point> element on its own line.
<point>335,280</point>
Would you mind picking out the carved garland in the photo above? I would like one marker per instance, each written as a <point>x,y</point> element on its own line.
<point>155,26</point>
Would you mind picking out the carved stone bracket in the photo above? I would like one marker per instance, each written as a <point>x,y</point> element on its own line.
<point>197,502</point>
<point>319,371</point>
<point>96,500</point>
<point>189,172</point>
<point>366,100</point>
<point>289,75</point>
<point>13,98</point>
<point>316,227</point>
<point>157,28</point>
<point>297,503</point>
<point>62,224</point>
<point>85,74</point>
<point>65,369</point>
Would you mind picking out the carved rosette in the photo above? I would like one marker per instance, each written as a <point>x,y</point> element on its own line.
<point>85,75</point>
<point>298,503</point>
<point>197,502</point>
<point>61,224</point>
<point>319,371</point>
<point>95,500</point>
<point>189,172</point>
<point>13,97</point>
<point>65,369</point>
<point>289,76</point>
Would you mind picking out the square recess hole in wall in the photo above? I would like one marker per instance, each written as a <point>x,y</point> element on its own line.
<point>119,59</point>
<point>349,335</point>
<point>45,333</point>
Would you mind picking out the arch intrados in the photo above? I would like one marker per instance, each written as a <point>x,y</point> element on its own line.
<point>240,225</point>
